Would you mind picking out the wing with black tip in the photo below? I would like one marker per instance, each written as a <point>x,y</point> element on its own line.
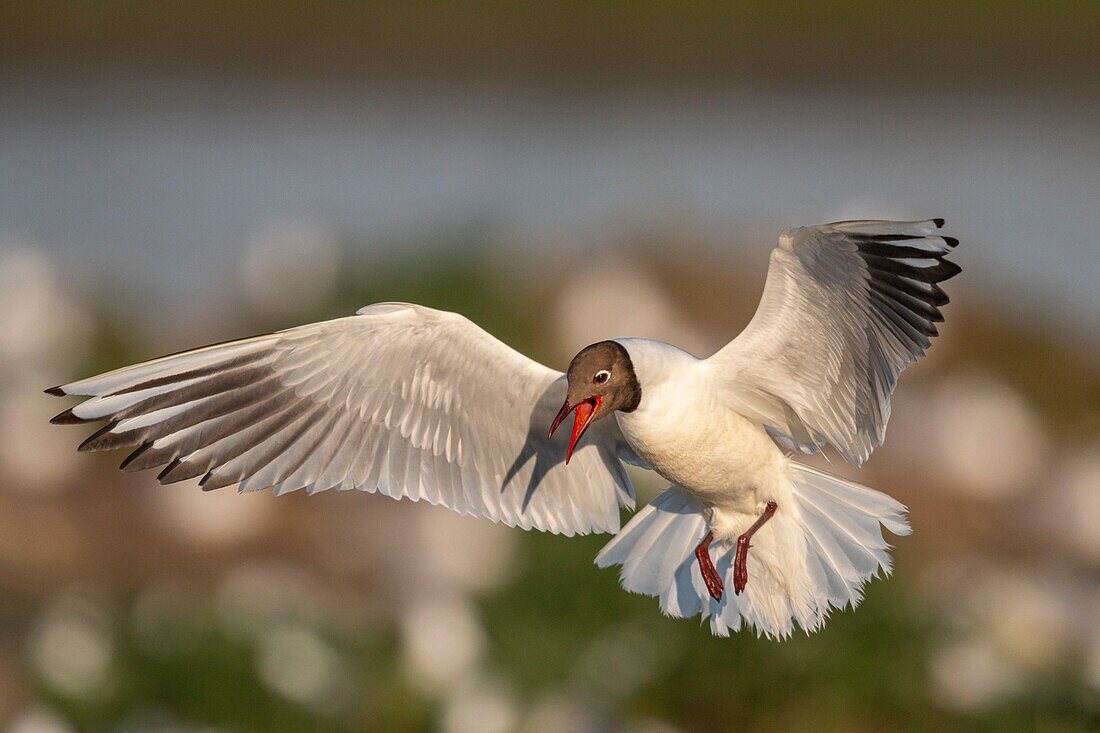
<point>408,401</point>
<point>846,308</point>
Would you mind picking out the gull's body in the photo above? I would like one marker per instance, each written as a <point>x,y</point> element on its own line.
<point>717,455</point>
<point>724,469</point>
<point>421,404</point>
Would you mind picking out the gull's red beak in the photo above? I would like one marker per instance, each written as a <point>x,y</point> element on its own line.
<point>585,410</point>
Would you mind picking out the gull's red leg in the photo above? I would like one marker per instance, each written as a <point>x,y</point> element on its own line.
<point>740,562</point>
<point>706,567</point>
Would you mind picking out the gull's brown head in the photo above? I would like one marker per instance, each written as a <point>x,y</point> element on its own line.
<point>601,380</point>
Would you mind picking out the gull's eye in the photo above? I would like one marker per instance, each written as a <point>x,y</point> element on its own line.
<point>601,376</point>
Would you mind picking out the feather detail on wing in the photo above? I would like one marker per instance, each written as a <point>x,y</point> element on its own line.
<point>404,400</point>
<point>846,308</point>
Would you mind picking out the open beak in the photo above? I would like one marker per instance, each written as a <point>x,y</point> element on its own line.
<point>585,410</point>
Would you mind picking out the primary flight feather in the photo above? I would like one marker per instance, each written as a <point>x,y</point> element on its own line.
<point>422,404</point>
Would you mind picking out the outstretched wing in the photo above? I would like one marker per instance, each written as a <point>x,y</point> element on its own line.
<point>846,308</point>
<point>405,400</point>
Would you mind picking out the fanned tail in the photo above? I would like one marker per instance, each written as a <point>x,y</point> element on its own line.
<point>655,549</point>
<point>822,545</point>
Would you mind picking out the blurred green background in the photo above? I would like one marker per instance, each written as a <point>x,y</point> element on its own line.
<point>173,174</point>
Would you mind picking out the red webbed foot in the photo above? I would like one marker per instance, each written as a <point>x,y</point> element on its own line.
<point>741,560</point>
<point>706,567</point>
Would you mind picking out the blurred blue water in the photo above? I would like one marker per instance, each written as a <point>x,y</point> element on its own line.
<point>162,181</point>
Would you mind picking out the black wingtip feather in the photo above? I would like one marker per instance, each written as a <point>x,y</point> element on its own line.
<point>68,418</point>
<point>951,241</point>
<point>90,443</point>
<point>946,270</point>
<point>939,223</point>
<point>55,391</point>
<point>168,469</point>
<point>130,458</point>
<point>937,296</point>
<point>210,482</point>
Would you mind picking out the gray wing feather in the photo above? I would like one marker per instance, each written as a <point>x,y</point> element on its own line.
<point>846,308</point>
<point>404,400</point>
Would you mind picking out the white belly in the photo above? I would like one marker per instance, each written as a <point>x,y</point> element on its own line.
<point>687,432</point>
<point>720,457</point>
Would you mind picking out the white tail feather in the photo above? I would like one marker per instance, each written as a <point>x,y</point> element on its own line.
<point>815,554</point>
<point>655,548</point>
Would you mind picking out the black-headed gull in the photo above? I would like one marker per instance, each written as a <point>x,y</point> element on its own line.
<point>422,404</point>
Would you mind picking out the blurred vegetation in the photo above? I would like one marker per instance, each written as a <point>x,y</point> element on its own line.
<point>650,43</point>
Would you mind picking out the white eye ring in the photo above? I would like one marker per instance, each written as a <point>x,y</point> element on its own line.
<point>601,376</point>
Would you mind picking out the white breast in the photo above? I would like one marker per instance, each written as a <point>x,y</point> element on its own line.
<point>685,431</point>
